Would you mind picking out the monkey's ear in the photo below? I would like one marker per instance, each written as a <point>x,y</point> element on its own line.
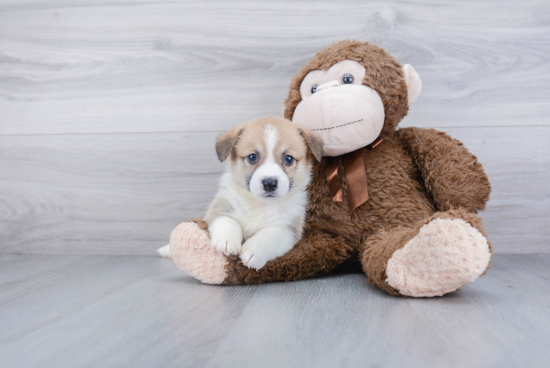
<point>313,141</point>
<point>414,84</point>
<point>226,141</point>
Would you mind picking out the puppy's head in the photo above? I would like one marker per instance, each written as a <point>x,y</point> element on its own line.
<point>270,156</point>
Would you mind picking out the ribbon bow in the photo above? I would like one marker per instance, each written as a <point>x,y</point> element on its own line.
<point>356,177</point>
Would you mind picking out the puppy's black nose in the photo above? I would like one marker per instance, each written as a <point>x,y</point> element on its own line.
<point>270,184</point>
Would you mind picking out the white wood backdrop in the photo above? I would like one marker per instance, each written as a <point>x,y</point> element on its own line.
<point>109,109</point>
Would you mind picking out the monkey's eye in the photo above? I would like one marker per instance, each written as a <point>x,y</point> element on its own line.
<point>289,160</point>
<point>347,79</point>
<point>314,88</point>
<point>252,158</point>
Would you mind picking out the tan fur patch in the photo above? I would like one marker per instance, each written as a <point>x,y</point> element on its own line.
<point>226,141</point>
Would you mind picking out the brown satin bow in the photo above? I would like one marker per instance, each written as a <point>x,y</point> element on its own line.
<point>356,177</point>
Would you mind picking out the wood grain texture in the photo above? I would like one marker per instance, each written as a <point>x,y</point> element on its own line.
<point>517,161</point>
<point>118,66</point>
<point>136,311</point>
<point>121,193</point>
<point>109,109</point>
<point>125,193</point>
<point>128,298</point>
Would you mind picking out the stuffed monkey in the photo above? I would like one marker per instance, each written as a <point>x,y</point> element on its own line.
<point>401,203</point>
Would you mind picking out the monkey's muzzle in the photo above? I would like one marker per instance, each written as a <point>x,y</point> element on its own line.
<point>346,117</point>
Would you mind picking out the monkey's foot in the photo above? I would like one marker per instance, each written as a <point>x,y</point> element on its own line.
<point>193,254</point>
<point>443,256</point>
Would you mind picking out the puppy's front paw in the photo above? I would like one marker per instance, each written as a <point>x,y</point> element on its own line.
<point>252,255</point>
<point>227,242</point>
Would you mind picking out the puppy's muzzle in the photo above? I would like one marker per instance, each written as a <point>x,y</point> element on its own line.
<point>270,184</point>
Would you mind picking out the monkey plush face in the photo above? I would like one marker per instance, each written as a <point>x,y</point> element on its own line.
<point>351,93</point>
<point>336,105</point>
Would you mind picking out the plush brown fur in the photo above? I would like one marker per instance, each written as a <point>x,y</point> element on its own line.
<point>415,175</point>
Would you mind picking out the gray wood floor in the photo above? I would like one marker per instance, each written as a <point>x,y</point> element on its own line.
<point>109,109</point>
<point>138,311</point>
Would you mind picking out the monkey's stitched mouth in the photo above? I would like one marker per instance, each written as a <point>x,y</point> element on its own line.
<point>338,126</point>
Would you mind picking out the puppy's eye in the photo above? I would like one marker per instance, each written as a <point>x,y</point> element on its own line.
<point>289,160</point>
<point>314,88</point>
<point>252,158</point>
<point>347,79</point>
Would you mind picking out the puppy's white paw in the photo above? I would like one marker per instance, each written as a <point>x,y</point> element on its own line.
<point>254,260</point>
<point>227,242</point>
<point>252,255</point>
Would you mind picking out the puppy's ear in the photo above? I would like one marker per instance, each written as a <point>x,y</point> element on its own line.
<point>226,141</point>
<point>313,141</point>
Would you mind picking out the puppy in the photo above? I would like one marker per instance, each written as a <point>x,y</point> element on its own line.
<point>263,197</point>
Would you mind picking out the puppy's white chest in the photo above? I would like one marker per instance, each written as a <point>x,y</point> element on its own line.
<point>256,217</point>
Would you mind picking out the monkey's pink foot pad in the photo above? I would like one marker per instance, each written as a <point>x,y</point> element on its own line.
<point>193,254</point>
<point>443,256</point>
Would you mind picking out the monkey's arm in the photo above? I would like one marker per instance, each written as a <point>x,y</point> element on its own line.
<point>451,173</point>
<point>316,254</point>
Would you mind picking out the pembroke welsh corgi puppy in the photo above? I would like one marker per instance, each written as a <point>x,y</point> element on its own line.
<point>259,210</point>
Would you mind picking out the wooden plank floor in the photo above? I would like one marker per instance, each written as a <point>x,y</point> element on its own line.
<point>138,311</point>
